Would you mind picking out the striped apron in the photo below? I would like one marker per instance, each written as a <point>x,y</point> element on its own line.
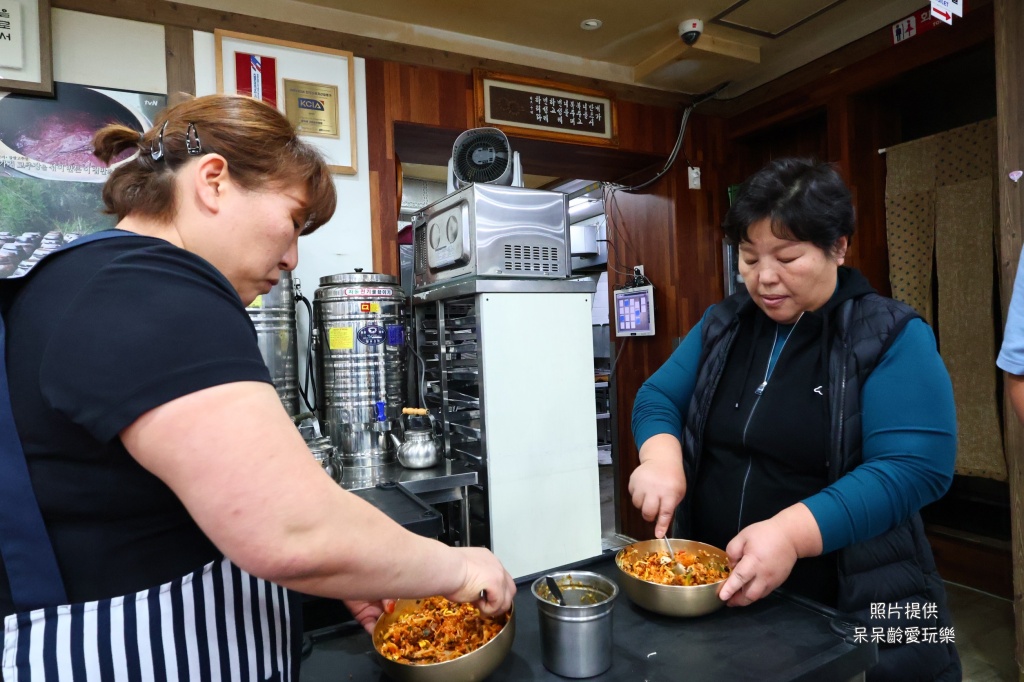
<point>216,623</point>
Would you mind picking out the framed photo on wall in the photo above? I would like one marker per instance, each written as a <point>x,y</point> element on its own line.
<point>26,49</point>
<point>313,86</point>
<point>531,107</point>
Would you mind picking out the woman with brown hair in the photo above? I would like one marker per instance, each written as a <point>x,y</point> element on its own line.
<point>165,505</point>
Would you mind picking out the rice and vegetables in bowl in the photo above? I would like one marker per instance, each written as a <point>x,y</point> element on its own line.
<point>646,576</point>
<point>437,640</point>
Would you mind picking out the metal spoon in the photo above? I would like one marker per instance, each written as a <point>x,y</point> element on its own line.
<point>553,586</point>
<point>676,567</point>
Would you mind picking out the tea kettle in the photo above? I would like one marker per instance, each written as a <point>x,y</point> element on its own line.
<point>421,449</point>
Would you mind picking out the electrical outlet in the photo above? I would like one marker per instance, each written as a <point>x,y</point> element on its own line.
<point>693,175</point>
<point>638,270</point>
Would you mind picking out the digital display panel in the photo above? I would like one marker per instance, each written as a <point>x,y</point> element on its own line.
<point>634,311</point>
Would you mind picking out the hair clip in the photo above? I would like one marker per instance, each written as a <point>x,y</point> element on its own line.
<point>192,134</point>
<point>158,153</point>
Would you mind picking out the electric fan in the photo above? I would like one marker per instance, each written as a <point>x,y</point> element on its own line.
<point>483,155</point>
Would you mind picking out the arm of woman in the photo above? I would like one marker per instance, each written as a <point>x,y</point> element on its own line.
<point>239,465</point>
<point>1011,353</point>
<point>1015,387</point>
<point>909,445</point>
<point>659,483</point>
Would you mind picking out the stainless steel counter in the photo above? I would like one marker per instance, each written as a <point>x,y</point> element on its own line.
<point>449,481</point>
<point>480,285</point>
<point>445,476</point>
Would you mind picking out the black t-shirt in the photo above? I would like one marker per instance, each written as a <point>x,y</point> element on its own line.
<point>96,337</point>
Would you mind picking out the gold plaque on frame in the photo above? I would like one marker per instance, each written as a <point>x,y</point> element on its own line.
<point>311,107</point>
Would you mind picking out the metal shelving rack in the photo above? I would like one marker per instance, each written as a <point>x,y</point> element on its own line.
<point>485,383</point>
<point>602,396</point>
<point>447,335</point>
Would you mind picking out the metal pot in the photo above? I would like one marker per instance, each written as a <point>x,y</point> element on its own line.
<point>672,600</point>
<point>472,667</point>
<point>421,448</point>
<point>324,452</point>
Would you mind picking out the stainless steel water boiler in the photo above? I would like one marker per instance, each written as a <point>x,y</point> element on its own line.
<point>360,352</point>
<point>273,315</point>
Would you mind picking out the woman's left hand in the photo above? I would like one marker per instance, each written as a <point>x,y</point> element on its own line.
<point>367,612</point>
<point>763,554</point>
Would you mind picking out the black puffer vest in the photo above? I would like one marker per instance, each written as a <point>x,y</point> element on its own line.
<point>895,569</point>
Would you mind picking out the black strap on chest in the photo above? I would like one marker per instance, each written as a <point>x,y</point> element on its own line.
<point>25,547</point>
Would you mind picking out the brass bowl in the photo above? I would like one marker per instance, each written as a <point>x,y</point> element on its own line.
<point>672,600</point>
<point>471,667</point>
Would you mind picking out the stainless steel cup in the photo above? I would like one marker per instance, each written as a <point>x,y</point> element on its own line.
<point>576,639</point>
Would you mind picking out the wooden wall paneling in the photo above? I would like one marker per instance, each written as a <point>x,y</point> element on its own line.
<point>806,136</point>
<point>417,112</point>
<point>641,227</point>
<point>845,145</point>
<point>383,177</point>
<point>424,94</point>
<point>403,93</point>
<point>871,126</point>
<point>1009,31</point>
<point>973,29</point>
<point>181,63</point>
<point>699,215</point>
<point>675,232</point>
<point>838,127</point>
<point>641,130</point>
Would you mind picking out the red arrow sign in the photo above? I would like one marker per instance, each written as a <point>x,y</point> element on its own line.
<point>945,16</point>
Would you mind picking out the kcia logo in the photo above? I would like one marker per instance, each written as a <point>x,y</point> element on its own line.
<point>315,104</point>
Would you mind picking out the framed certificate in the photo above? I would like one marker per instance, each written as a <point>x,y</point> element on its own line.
<point>314,87</point>
<point>311,107</point>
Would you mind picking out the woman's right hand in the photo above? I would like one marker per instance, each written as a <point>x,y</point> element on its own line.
<point>658,485</point>
<point>484,575</point>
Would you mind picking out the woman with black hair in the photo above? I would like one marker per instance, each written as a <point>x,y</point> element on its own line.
<point>803,423</point>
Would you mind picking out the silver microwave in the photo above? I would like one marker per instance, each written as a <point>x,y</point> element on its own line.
<point>491,231</point>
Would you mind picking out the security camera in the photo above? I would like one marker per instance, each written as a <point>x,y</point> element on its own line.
<point>690,30</point>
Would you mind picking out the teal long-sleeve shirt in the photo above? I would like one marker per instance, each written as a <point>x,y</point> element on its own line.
<point>909,434</point>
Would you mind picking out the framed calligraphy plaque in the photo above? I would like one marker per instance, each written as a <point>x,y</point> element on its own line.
<point>26,53</point>
<point>530,107</point>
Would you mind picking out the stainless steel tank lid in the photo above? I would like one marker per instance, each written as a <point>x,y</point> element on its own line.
<point>358,277</point>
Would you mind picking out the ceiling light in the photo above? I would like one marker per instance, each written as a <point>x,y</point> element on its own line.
<point>590,24</point>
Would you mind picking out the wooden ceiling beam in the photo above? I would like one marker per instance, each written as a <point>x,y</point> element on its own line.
<point>677,50</point>
<point>728,48</point>
<point>666,55</point>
